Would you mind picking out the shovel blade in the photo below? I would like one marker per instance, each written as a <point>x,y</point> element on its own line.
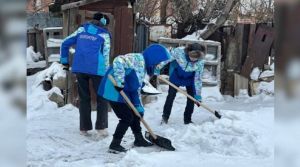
<point>160,141</point>
<point>148,93</point>
<point>218,115</point>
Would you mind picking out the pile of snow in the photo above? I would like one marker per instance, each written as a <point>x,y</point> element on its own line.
<point>268,73</point>
<point>255,74</point>
<point>32,56</point>
<point>264,92</point>
<point>265,88</point>
<point>148,87</point>
<point>54,71</point>
<point>227,136</point>
<point>38,102</point>
<point>243,94</point>
<point>212,94</point>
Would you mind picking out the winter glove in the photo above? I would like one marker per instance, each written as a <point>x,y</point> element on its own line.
<point>196,102</point>
<point>199,99</point>
<point>140,110</point>
<point>118,89</point>
<point>66,67</point>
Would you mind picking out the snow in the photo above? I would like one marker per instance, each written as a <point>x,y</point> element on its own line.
<point>266,73</point>
<point>264,92</point>
<point>33,59</point>
<point>208,75</point>
<point>72,50</point>
<point>272,67</point>
<point>39,64</point>
<point>255,74</point>
<point>54,58</point>
<point>209,57</point>
<point>31,55</point>
<point>194,36</point>
<point>52,28</point>
<point>148,87</point>
<point>196,12</point>
<point>243,137</point>
<point>54,71</point>
<point>243,94</point>
<point>51,42</point>
<point>211,94</point>
<point>265,87</point>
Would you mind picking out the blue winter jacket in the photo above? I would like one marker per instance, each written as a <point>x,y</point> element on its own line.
<point>92,50</point>
<point>184,72</point>
<point>129,72</point>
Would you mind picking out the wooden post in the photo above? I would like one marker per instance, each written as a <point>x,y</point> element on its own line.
<point>117,40</point>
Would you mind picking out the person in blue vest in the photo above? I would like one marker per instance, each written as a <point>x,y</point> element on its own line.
<point>90,62</point>
<point>186,69</point>
<point>129,72</point>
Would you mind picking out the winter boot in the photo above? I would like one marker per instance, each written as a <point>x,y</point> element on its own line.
<point>140,141</point>
<point>187,121</point>
<point>164,121</point>
<point>115,146</point>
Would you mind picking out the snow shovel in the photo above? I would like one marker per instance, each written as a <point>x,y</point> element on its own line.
<point>155,139</point>
<point>148,93</point>
<point>192,98</point>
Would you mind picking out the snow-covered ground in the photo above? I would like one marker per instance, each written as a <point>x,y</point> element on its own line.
<point>243,137</point>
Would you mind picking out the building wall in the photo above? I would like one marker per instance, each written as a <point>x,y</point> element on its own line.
<point>32,5</point>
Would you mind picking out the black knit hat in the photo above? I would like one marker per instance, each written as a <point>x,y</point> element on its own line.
<point>194,50</point>
<point>196,46</point>
<point>98,16</point>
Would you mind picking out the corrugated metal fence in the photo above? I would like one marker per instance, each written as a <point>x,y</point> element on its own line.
<point>141,38</point>
<point>43,20</point>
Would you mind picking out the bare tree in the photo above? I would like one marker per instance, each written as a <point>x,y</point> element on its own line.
<point>210,13</point>
<point>163,11</point>
<point>223,9</point>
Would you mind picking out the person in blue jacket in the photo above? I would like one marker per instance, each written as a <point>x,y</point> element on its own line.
<point>129,72</point>
<point>186,69</point>
<point>91,61</point>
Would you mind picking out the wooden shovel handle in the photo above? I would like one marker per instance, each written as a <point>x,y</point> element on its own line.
<point>183,92</point>
<point>133,108</point>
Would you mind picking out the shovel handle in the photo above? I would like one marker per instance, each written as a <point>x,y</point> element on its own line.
<point>133,108</point>
<point>183,92</point>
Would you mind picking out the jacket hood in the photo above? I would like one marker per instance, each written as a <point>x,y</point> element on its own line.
<point>155,54</point>
<point>93,29</point>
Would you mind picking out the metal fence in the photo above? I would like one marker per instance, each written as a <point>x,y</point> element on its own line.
<point>42,20</point>
<point>141,38</point>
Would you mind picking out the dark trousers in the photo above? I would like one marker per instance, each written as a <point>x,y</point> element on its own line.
<point>85,103</point>
<point>127,119</point>
<point>189,108</point>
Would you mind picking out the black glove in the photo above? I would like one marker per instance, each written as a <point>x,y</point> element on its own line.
<point>196,102</point>
<point>142,116</point>
<point>118,89</point>
<point>66,67</point>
